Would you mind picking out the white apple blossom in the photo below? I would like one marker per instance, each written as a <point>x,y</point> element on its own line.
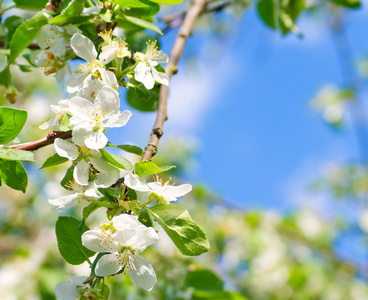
<point>60,109</point>
<point>145,70</point>
<point>82,156</point>
<point>157,190</point>
<point>64,202</point>
<point>122,238</point>
<point>90,120</point>
<point>88,90</point>
<point>68,290</point>
<point>112,49</point>
<point>85,49</point>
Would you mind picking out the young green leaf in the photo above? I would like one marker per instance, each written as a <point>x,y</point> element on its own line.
<point>147,168</point>
<point>73,9</point>
<point>167,1</point>
<point>116,160</point>
<point>143,23</point>
<point>88,210</point>
<point>25,34</point>
<point>145,218</point>
<point>150,10</point>
<point>142,99</point>
<point>5,77</point>
<point>200,295</point>
<point>69,238</point>
<point>54,160</point>
<point>128,148</point>
<point>13,174</point>
<point>11,123</point>
<point>129,3</point>
<point>204,280</point>
<point>348,3</point>
<point>180,227</point>
<point>67,178</point>
<point>14,154</point>
<point>27,4</point>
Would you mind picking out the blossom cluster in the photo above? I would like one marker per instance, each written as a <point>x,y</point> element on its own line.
<point>93,106</point>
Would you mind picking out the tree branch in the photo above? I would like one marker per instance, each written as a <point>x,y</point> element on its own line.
<point>30,146</point>
<point>171,68</point>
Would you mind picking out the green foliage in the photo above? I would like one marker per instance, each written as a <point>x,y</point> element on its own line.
<point>168,1</point>
<point>73,9</point>
<point>129,3</point>
<point>217,296</point>
<point>142,99</point>
<point>32,5</point>
<point>11,25</point>
<point>5,77</point>
<point>150,9</point>
<point>128,148</point>
<point>142,23</point>
<point>116,160</point>
<point>67,178</point>
<point>280,15</point>
<point>145,218</point>
<point>13,174</point>
<point>148,168</point>
<point>184,232</point>
<point>25,34</point>
<point>69,238</point>
<point>89,209</point>
<point>54,160</point>
<point>204,280</point>
<point>11,123</point>
<point>14,154</point>
<point>348,3</point>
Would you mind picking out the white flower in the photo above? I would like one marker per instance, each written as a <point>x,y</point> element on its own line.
<point>68,290</point>
<point>112,49</point>
<point>60,109</point>
<point>157,191</point>
<point>88,90</point>
<point>67,201</point>
<point>90,120</point>
<point>82,155</point>
<point>122,238</point>
<point>145,70</point>
<point>85,49</point>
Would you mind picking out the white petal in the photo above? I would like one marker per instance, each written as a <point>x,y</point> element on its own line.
<point>146,236</point>
<point>119,119</point>
<point>80,131</point>
<point>64,202</point>
<point>81,172</point>
<point>176,191</point>
<point>144,276</point>
<point>108,99</point>
<point>60,75</point>
<point>156,187</point>
<point>136,183</point>
<point>3,61</point>
<point>160,76</point>
<point>163,58</point>
<point>108,78</point>
<point>96,140</point>
<point>58,48</point>
<point>92,192</point>
<point>66,291</point>
<point>108,265</point>
<point>108,54</point>
<point>66,149</point>
<point>73,83</point>
<point>51,123</point>
<point>83,47</point>
<point>78,280</point>
<point>92,10</point>
<point>99,241</point>
<point>123,221</point>
<point>108,174</point>
<point>143,74</point>
<point>79,109</point>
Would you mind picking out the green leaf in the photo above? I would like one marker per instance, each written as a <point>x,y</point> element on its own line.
<point>168,1</point>
<point>30,4</point>
<point>150,10</point>
<point>204,280</point>
<point>11,123</point>
<point>128,148</point>
<point>12,24</point>
<point>116,160</point>
<point>25,34</point>
<point>129,3</point>
<point>67,178</point>
<point>145,218</point>
<point>65,123</point>
<point>281,15</point>
<point>5,77</point>
<point>348,3</point>
<point>25,68</point>
<point>142,99</point>
<point>13,174</point>
<point>54,160</point>
<point>88,210</point>
<point>180,227</point>
<point>74,8</point>
<point>143,23</point>
<point>68,234</point>
<point>14,154</point>
<point>107,15</point>
<point>147,168</point>
<point>199,295</point>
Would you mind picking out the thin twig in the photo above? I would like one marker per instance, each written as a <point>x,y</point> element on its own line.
<point>184,32</point>
<point>49,139</point>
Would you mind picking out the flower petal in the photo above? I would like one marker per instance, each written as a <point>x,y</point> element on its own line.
<point>108,264</point>
<point>80,131</point>
<point>73,83</point>
<point>96,140</point>
<point>143,74</point>
<point>119,119</point>
<point>66,291</point>
<point>66,149</point>
<point>79,109</point>
<point>160,76</point>
<point>144,276</point>
<point>108,174</point>
<point>108,54</point>
<point>64,202</point>
<point>81,172</point>
<point>136,183</point>
<point>172,192</point>
<point>51,123</point>
<point>83,47</point>
<point>99,241</point>
<point>78,280</point>
<point>108,99</point>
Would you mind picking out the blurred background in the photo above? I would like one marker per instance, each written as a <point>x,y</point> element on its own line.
<point>272,132</point>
